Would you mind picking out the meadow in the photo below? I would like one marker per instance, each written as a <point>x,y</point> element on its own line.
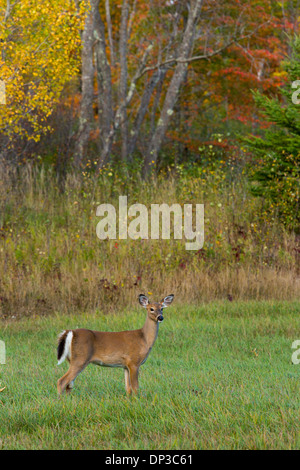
<point>220,376</point>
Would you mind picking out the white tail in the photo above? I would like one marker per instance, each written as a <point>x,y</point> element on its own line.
<point>126,349</point>
<point>65,340</point>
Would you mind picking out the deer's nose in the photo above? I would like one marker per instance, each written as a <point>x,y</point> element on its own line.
<point>160,318</point>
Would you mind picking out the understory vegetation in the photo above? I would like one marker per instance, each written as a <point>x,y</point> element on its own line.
<point>52,260</point>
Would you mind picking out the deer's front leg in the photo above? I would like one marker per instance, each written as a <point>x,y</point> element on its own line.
<point>127,381</point>
<point>134,377</point>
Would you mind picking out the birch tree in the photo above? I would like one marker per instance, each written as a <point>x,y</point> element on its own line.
<point>141,79</point>
<point>184,54</point>
<point>87,88</point>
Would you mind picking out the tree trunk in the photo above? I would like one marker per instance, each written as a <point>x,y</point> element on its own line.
<point>134,133</point>
<point>123,76</point>
<point>105,103</point>
<point>110,35</point>
<point>87,92</point>
<point>184,53</point>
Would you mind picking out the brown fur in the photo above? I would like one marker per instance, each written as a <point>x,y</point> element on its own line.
<point>126,349</point>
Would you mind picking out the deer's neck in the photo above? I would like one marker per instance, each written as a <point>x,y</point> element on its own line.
<point>150,330</point>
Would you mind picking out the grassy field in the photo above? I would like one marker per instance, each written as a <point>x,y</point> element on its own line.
<point>219,376</point>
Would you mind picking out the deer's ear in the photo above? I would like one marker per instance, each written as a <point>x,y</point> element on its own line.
<point>143,300</point>
<point>167,301</point>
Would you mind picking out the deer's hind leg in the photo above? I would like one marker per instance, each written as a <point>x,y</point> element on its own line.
<point>66,382</point>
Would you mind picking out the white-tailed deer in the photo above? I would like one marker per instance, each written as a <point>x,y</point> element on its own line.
<point>126,349</point>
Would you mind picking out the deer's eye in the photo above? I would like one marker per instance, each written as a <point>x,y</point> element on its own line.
<point>152,309</point>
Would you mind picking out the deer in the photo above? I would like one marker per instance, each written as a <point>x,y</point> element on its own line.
<point>126,349</point>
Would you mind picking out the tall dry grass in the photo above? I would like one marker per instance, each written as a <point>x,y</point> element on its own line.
<point>52,261</point>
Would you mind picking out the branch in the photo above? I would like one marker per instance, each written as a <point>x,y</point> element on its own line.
<point>139,73</point>
<point>207,56</point>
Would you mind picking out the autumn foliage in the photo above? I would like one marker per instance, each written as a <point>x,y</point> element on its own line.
<point>237,47</point>
<point>40,53</point>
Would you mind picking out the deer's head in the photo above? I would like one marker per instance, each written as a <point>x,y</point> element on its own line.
<point>155,309</point>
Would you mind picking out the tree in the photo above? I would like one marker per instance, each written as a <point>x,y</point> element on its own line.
<point>39,55</point>
<point>276,175</point>
<point>143,76</point>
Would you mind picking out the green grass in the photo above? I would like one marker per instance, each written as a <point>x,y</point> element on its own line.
<point>219,376</point>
